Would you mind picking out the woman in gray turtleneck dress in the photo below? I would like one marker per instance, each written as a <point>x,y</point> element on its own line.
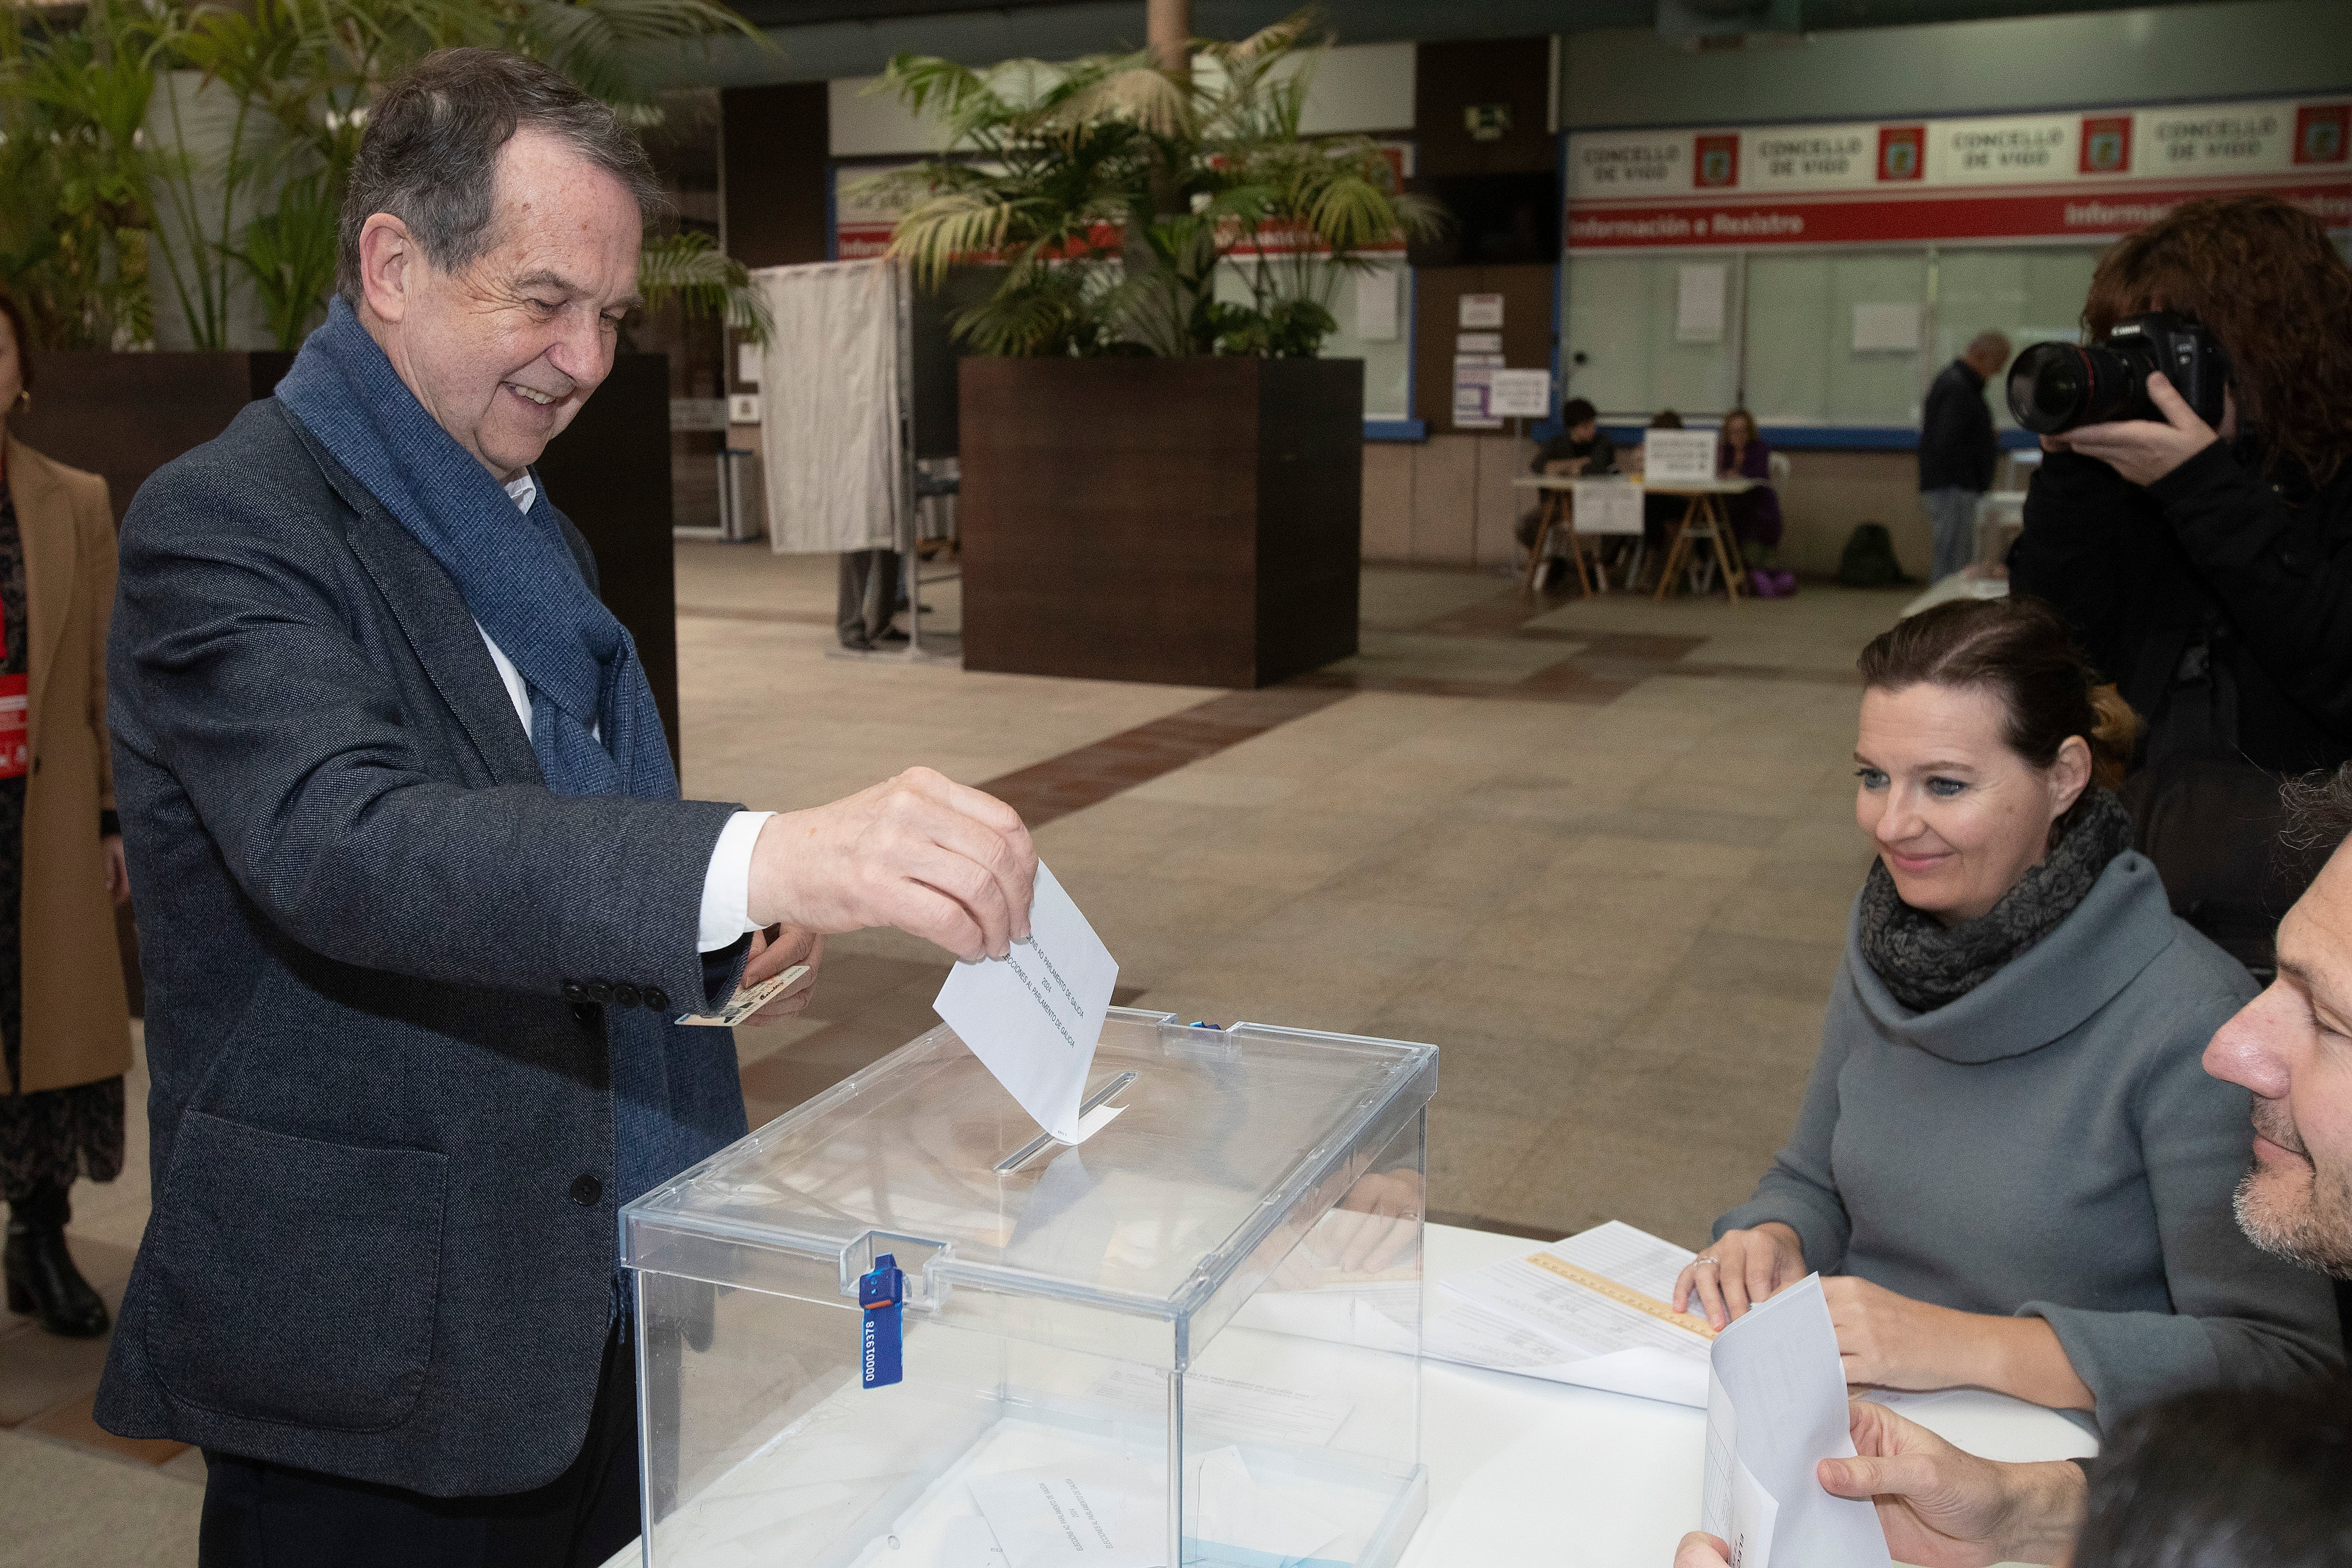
<point>2008,1154</point>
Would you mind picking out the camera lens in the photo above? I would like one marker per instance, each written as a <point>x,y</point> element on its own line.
<point>2051,386</point>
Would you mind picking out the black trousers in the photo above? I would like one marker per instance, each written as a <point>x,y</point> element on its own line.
<point>868,597</point>
<point>259,1515</point>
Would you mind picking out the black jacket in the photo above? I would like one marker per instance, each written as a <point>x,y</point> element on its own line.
<point>2259,567</point>
<point>1599,453</point>
<point>1957,447</point>
<point>384,1233</point>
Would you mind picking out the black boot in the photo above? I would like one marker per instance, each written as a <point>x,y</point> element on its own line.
<point>42,1279</point>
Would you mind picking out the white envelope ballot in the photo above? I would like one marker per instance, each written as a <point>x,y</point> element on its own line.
<point>1034,1017</point>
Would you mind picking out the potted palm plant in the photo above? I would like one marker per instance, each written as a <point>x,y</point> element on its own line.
<point>1160,479</point>
<point>175,171</point>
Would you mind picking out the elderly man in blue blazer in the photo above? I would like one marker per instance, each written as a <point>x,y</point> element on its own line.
<point>419,899</point>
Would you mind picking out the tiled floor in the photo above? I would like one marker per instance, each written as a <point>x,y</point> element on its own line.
<point>1600,851</point>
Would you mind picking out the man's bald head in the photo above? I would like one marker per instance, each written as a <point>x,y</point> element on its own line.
<point>1987,354</point>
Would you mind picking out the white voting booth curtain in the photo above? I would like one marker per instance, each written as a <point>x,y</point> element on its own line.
<point>829,381</point>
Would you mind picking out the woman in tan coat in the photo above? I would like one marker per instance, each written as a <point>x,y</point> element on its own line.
<point>63,1013</point>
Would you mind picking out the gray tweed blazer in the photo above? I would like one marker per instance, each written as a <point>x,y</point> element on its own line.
<point>383,1243</point>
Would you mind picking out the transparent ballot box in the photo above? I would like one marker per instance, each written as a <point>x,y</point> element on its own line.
<point>1192,1340</point>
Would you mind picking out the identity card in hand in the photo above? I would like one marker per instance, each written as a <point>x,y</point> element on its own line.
<point>1034,1017</point>
<point>748,1000</point>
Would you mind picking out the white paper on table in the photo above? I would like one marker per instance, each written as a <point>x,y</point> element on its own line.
<point>1107,1512</point>
<point>967,1542</point>
<point>1268,1414</point>
<point>1559,1331</point>
<point>1606,506</point>
<point>1782,1396</point>
<point>1235,1511</point>
<point>1034,1017</point>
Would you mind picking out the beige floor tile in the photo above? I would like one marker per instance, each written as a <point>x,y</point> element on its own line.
<point>1473,1152</point>
<point>72,1508</point>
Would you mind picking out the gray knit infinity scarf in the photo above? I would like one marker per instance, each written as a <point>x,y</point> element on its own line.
<point>1927,964</point>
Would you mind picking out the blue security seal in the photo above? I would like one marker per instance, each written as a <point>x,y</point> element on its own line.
<point>883,1295</point>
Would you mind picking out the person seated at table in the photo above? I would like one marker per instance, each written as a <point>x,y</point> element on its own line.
<point>1740,453</point>
<point>2007,1155</point>
<point>1579,452</point>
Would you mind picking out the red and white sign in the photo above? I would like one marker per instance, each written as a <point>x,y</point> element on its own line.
<point>2071,175</point>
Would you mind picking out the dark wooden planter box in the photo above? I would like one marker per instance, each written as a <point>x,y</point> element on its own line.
<point>1188,522</point>
<point>125,416</point>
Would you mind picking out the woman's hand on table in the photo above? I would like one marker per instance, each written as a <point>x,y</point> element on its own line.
<point>1739,1271</point>
<point>1887,1341</point>
<point>773,950</point>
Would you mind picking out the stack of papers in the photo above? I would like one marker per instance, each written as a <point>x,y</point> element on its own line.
<point>1590,1311</point>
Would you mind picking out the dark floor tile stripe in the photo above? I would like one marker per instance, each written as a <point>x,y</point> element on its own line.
<point>1093,773</point>
<point>749,612</point>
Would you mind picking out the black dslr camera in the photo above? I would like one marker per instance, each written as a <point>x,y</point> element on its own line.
<point>2054,387</point>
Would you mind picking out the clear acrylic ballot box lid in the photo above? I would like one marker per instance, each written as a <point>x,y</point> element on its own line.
<point>1192,1340</point>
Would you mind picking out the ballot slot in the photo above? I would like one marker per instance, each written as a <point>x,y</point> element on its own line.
<point>1199,1328</point>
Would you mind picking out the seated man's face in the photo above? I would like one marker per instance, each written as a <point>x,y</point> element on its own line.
<point>1584,432</point>
<point>2292,1046</point>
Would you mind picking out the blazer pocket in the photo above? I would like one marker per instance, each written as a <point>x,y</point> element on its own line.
<point>295,1280</point>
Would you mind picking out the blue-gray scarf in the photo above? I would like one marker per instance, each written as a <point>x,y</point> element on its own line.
<point>675,1091</point>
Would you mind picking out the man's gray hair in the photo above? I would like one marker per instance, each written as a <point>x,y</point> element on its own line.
<point>430,155</point>
<point>2318,811</point>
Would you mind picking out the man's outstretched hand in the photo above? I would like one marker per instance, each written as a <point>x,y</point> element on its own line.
<point>1940,1508</point>
<point>920,853</point>
<point>1943,1508</point>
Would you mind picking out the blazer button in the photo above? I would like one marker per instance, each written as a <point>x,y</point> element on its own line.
<point>599,991</point>
<point>574,992</point>
<point>586,1191</point>
<point>625,994</point>
<point>585,1014</point>
<point>656,998</point>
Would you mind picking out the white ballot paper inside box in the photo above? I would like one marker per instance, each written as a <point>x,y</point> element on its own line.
<point>1590,1311</point>
<point>1034,1016</point>
<point>1777,1408</point>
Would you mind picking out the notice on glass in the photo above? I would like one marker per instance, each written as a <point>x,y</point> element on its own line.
<point>1376,305</point>
<point>1699,302</point>
<point>1034,1016</point>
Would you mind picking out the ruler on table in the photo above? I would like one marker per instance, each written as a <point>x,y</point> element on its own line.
<point>1624,1295</point>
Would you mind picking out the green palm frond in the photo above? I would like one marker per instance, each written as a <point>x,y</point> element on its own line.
<point>705,282</point>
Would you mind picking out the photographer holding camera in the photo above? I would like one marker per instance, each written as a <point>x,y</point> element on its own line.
<point>2192,521</point>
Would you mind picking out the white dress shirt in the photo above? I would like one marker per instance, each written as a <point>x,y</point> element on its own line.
<point>727,884</point>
